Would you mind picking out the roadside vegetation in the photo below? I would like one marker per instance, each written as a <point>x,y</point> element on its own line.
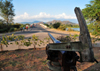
<point>92,15</point>
<point>7,14</point>
<point>62,26</point>
<point>20,40</point>
<point>11,27</point>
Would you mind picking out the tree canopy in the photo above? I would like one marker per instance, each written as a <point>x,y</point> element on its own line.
<point>6,10</point>
<point>92,13</point>
<point>92,10</point>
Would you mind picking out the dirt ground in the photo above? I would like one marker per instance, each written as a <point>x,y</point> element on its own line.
<point>35,60</point>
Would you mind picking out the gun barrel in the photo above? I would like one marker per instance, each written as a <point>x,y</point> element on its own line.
<point>53,39</point>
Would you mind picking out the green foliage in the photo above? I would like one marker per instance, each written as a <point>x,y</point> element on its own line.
<point>13,63</point>
<point>27,44</point>
<point>48,39</point>
<point>6,10</point>
<point>69,29</point>
<point>21,26</point>
<point>3,30</point>
<point>72,26</point>
<point>92,10</point>
<point>4,41</point>
<point>21,41</point>
<point>50,26</point>
<point>91,13</point>
<point>16,25</point>
<point>47,25</point>
<point>67,38</point>
<point>94,28</point>
<point>21,37</point>
<point>64,39</point>
<point>11,29</point>
<point>62,27</point>
<point>56,25</point>
<point>15,29</point>
<point>74,37</point>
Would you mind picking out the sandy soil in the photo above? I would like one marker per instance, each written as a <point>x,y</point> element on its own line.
<point>35,60</point>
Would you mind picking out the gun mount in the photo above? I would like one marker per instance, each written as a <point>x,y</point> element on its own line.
<point>63,57</point>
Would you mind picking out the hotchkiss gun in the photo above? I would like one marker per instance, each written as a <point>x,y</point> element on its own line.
<point>63,56</point>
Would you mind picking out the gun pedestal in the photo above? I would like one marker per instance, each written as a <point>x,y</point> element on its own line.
<point>65,53</point>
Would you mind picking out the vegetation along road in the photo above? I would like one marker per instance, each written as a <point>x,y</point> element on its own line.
<point>35,30</point>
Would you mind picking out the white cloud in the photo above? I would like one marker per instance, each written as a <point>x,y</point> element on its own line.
<point>42,16</point>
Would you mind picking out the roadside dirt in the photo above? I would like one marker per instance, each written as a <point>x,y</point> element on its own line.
<point>35,60</point>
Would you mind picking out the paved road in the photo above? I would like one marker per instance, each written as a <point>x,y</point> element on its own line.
<point>34,30</point>
<point>39,31</point>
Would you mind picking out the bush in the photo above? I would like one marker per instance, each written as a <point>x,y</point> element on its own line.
<point>16,25</point>
<point>62,27</point>
<point>50,26</point>
<point>3,30</point>
<point>69,29</point>
<point>64,39</point>
<point>94,33</point>
<point>56,25</point>
<point>11,29</point>
<point>46,25</point>
<point>15,29</point>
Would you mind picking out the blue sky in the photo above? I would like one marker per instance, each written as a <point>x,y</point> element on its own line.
<point>46,10</point>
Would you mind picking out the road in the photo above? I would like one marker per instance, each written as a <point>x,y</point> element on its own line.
<point>38,31</point>
<point>34,30</point>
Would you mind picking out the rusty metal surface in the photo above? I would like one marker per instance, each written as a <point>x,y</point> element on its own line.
<point>58,52</point>
<point>72,46</point>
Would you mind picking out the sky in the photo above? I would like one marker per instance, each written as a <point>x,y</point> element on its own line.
<point>46,10</point>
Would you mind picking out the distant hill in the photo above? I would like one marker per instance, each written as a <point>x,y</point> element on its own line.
<point>30,22</point>
<point>69,21</point>
<point>62,22</point>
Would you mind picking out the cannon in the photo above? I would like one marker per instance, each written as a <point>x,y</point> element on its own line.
<point>63,56</point>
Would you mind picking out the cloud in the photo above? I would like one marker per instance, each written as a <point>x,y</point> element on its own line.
<point>42,16</point>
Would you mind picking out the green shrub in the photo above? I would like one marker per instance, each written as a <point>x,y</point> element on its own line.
<point>69,29</point>
<point>94,33</point>
<point>11,29</point>
<point>64,39</point>
<point>47,25</point>
<point>3,30</point>
<point>62,27</point>
<point>16,25</point>
<point>56,25</point>
<point>15,29</point>
<point>50,26</point>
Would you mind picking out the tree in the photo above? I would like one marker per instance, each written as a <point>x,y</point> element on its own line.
<point>6,10</point>
<point>92,13</point>
<point>92,10</point>
<point>56,25</point>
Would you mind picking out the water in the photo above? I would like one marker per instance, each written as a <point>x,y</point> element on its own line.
<point>75,29</point>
